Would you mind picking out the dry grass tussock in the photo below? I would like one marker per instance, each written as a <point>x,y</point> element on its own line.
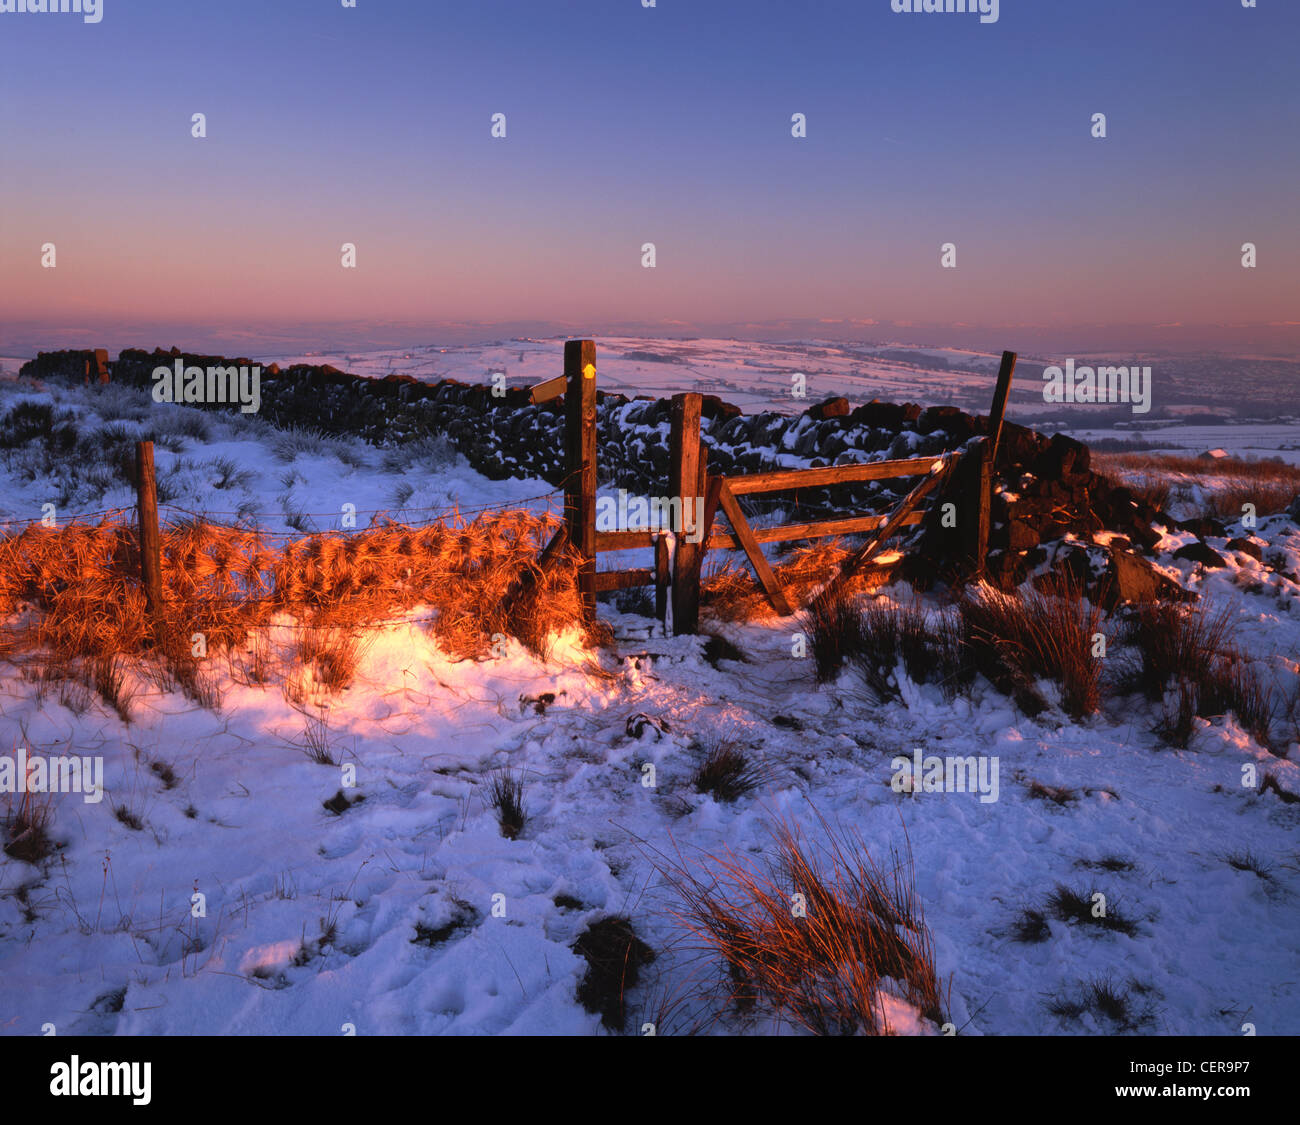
<point>72,594</point>
<point>25,828</point>
<point>1188,656</point>
<point>815,938</point>
<point>1048,632</point>
<point>1224,484</point>
<point>730,592</point>
<point>1012,638</point>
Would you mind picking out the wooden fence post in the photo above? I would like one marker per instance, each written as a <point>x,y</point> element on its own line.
<point>146,484</point>
<point>684,486</point>
<point>580,467</point>
<point>661,577</point>
<point>981,476</point>
<point>1000,393</point>
<point>978,478</point>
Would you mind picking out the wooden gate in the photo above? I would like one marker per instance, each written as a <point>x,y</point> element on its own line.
<point>691,488</point>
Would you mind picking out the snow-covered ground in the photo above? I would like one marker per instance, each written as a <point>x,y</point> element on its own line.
<point>103,938</point>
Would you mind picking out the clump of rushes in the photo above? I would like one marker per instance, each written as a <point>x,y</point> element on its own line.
<point>1074,907</point>
<point>879,637</point>
<point>821,966</point>
<point>1175,641</point>
<point>835,633</point>
<point>1187,656</point>
<point>27,828</point>
<point>506,794</point>
<point>1017,637</point>
<point>727,773</point>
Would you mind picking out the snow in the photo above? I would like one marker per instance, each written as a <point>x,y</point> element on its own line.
<point>1245,439</point>
<point>1214,946</point>
<point>753,376</point>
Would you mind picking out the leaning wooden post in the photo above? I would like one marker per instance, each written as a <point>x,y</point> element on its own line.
<point>981,499</point>
<point>684,487</point>
<point>580,467</point>
<point>1000,393</point>
<point>146,483</point>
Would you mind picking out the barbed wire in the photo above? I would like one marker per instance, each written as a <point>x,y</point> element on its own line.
<point>78,517</point>
<point>453,511</point>
<point>449,508</point>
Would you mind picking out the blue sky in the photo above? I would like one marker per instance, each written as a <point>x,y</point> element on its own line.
<point>668,125</point>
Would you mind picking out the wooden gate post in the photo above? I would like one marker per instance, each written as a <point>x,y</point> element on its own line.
<point>977,480</point>
<point>980,497</point>
<point>101,367</point>
<point>150,541</point>
<point>684,486</point>
<point>1000,393</point>
<point>661,577</point>
<point>580,464</point>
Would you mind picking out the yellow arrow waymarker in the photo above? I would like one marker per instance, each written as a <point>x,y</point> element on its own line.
<point>589,371</point>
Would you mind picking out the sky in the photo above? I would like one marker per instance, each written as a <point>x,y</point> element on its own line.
<point>671,125</point>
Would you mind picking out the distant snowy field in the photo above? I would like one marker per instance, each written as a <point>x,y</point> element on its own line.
<point>759,376</point>
<point>755,376</point>
<point>1248,440</point>
<point>102,940</point>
